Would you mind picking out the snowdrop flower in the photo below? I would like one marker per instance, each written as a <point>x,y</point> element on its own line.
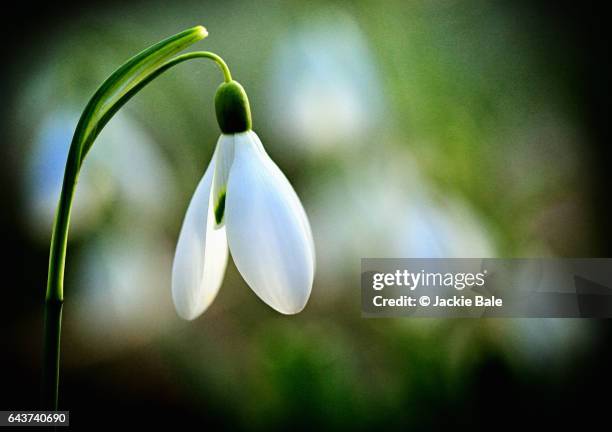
<point>243,204</point>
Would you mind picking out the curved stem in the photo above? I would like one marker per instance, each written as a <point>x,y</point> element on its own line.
<point>157,72</point>
<point>115,92</point>
<point>59,238</point>
<point>212,56</point>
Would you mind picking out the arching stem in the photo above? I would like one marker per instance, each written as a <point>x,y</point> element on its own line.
<point>115,92</point>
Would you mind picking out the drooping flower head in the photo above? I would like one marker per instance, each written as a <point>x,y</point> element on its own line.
<point>245,205</point>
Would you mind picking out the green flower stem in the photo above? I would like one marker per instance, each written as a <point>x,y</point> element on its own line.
<point>51,353</point>
<point>115,92</point>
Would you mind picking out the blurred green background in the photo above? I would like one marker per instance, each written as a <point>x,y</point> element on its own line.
<point>408,129</point>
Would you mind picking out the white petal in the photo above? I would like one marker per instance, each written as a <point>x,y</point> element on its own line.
<point>267,229</point>
<point>223,162</point>
<point>201,253</point>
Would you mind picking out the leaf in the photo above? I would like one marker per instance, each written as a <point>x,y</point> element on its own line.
<point>127,77</point>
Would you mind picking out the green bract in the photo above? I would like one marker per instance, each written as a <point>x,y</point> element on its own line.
<point>232,108</point>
